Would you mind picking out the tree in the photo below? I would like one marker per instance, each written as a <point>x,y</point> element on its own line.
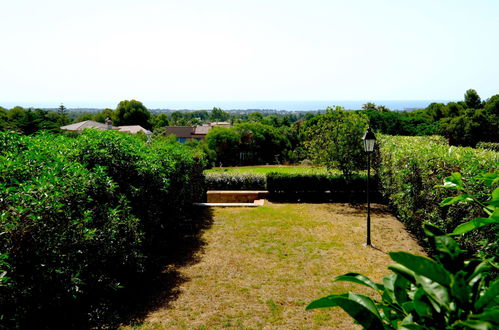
<point>132,113</point>
<point>4,119</point>
<point>104,114</point>
<point>177,119</point>
<point>160,120</point>
<point>218,114</point>
<point>335,140</point>
<point>472,99</point>
<point>225,142</point>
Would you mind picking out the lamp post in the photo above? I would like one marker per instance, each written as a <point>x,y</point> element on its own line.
<point>369,140</point>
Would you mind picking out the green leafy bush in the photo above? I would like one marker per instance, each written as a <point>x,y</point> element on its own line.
<point>82,217</point>
<point>447,292</point>
<point>494,146</point>
<point>235,181</point>
<point>317,187</point>
<point>409,168</point>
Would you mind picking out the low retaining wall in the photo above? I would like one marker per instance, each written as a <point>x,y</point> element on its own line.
<point>235,196</point>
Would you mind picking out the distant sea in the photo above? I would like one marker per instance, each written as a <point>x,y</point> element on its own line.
<point>238,105</point>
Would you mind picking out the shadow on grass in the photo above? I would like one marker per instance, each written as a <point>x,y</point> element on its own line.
<point>160,286</point>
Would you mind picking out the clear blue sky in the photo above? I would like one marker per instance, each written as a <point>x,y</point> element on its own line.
<point>83,52</point>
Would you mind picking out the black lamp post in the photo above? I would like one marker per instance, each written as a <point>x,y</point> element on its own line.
<point>369,140</point>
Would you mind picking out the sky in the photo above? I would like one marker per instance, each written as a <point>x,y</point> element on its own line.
<point>99,52</point>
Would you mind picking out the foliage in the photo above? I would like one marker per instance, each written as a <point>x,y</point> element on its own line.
<point>318,187</point>
<point>409,168</point>
<point>268,169</point>
<point>132,112</point>
<point>235,181</point>
<point>29,121</point>
<point>489,206</point>
<point>83,217</point>
<point>334,140</point>
<point>447,292</point>
<point>225,142</point>
<point>494,146</point>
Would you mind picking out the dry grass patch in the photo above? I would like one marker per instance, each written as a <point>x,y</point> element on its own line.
<point>262,266</point>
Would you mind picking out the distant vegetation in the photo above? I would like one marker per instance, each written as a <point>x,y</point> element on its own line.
<point>277,138</point>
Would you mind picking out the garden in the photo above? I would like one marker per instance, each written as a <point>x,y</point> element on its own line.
<point>93,220</point>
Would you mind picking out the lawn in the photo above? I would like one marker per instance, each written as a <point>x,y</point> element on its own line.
<point>260,267</point>
<point>264,169</point>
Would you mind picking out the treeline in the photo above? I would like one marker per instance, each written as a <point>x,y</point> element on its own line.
<point>463,123</point>
<point>260,138</point>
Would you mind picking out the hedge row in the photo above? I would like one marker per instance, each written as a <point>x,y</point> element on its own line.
<point>494,146</point>
<point>409,168</point>
<point>319,187</point>
<point>82,217</point>
<point>235,181</point>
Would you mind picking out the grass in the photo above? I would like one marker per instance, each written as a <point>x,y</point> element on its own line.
<point>260,267</point>
<point>264,169</point>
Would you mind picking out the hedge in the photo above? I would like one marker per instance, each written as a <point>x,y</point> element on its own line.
<point>235,181</point>
<point>319,187</point>
<point>494,146</point>
<point>409,168</point>
<point>82,217</point>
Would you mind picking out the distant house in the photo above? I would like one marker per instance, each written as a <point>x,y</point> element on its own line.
<point>187,133</point>
<point>133,129</point>
<point>76,127</point>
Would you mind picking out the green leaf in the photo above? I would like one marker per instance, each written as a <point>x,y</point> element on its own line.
<point>360,279</point>
<point>401,289</point>
<point>461,290</point>
<point>421,306</point>
<point>475,324</point>
<point>438,293</point>
<point>489,296</point>
<point>454,182</point>
<point>491,316</point>
<point>359,307</point>
<point>422,266</point>
<point>449,246</point>
<point>473,224</point>
<point>460,198</point>
<point>432,230</point>
<point>495,194</point>
<point>404,272</point>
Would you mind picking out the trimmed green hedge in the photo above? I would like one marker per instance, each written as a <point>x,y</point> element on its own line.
<point>409,168</point>
<point>318,187</point>
<point>494,146</point>
<point>235,181</point>
<point>82,217</point>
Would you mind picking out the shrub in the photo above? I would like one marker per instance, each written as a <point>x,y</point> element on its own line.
<point>82,217</point>
<point>409,168</point>
<point>318,187</point>
<point>67,235</point>
<point>494,146</point>
<point>448,292</point>
<point>235,181</point>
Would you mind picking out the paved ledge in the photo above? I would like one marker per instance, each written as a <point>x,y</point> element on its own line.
<point>235,196</point>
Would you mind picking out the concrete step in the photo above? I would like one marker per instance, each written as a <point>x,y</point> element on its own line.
<point>235,196</point>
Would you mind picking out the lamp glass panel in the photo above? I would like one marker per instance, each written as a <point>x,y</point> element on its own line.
<point>369,145</point>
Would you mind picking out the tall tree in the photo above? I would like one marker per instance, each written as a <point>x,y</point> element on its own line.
<point>335,140</point>
<point>472,99</point>
<point>132,112</point>
<point>218,114</point>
